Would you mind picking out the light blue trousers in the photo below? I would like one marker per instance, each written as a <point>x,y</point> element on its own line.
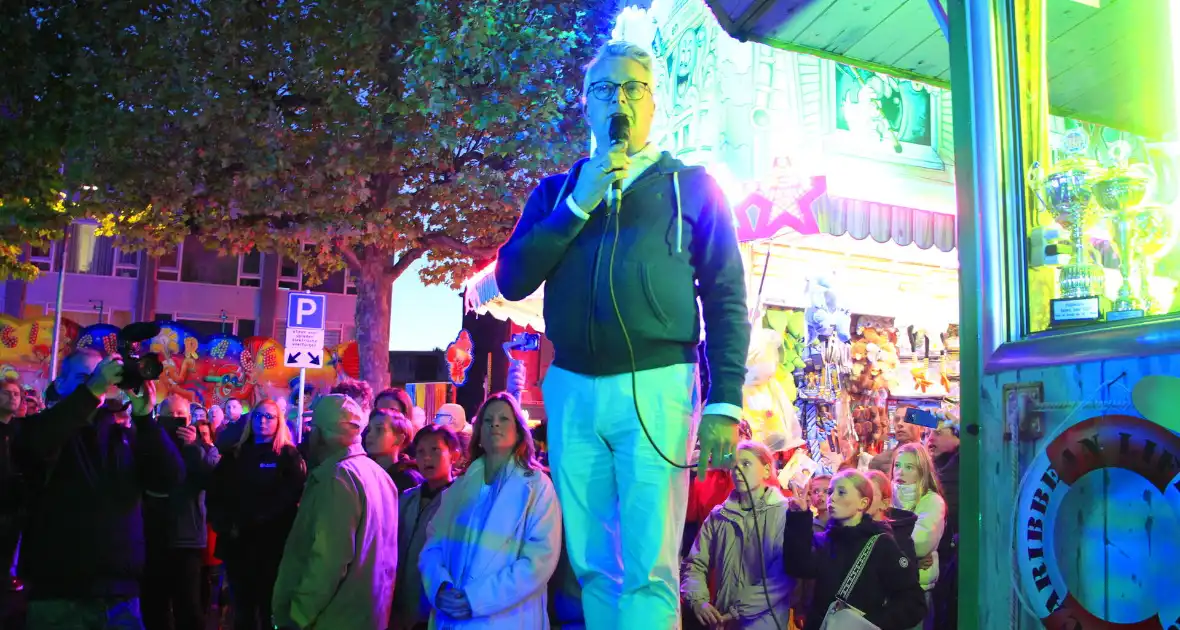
<point>622,504</point>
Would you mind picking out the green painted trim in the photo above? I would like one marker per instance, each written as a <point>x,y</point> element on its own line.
<point>970,321</point>
<point>871,66</point>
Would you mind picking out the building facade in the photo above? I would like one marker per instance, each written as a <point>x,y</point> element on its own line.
<point>201,288</point>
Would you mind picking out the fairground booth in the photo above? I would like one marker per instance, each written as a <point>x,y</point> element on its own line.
<point>1066,143</point>
<point>1010,250</point>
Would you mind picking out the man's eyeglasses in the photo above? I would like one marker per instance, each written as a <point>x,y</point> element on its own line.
<point>606,90</point>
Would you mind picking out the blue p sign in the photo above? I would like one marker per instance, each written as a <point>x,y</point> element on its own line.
<point>305,310</point>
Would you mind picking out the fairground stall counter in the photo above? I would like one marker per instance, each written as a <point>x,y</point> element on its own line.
<point>1066,146</point>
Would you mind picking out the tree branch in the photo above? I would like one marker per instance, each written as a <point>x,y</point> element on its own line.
<point>404,261</point>
<point>349,256</point>
<point>438,239</point>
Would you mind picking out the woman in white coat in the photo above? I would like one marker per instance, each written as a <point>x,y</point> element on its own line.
<point>916,488</point>
<point>496,538</point>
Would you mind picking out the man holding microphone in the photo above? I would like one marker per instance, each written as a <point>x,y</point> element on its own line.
<point>627,242</point>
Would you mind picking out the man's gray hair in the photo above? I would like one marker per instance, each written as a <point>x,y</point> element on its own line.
<point>622,50</point>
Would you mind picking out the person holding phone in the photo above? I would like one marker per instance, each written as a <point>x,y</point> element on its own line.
<point>175,529</point>
<point>905,432</point>
<point>82,553</point>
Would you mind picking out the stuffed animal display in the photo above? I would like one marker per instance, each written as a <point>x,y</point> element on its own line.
<point>767,407</point>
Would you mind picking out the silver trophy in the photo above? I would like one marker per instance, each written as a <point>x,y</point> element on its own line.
<point>1066,191</point>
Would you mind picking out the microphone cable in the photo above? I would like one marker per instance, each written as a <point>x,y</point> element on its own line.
<point>617,206</point>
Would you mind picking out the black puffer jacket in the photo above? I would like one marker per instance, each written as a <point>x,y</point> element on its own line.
<point>253,499</point>
<point>948,474</point>
<point>887,592</point>
<point>901,524</point>
<point>88,475</point>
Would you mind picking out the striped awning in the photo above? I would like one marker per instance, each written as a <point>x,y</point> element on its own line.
<point>883,223</point>
<point>482,296</point>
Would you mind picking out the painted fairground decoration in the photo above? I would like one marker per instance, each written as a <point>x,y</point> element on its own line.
<point>784,203</point>
<point>211,369</point>
<point>460,357</point>
<point>1098,517</point>
<point>25,344</point>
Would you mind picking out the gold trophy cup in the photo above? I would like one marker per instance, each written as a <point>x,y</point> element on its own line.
<point>1120,191</point>
<point>1155,230</point>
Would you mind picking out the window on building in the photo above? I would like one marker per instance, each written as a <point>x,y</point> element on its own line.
<point>350,283</point>
<point>290,276</point>
<point>89,253</point>
<point>119,318</point>
<point>245,328</point>
<point>250,269</point>
<point>42,257</point>
<point>203,328</point>
<point>169,267</point>
<point>207,266</point>
<point>334,283</point>
<point>126,264</point>
<point>81,318</point>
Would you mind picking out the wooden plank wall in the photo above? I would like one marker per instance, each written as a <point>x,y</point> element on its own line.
<point>1098,564</point>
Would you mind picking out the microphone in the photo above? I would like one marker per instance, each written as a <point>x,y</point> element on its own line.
<point>620,132</point>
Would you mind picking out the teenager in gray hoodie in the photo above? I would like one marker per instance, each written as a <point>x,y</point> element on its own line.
<point>738,554</point>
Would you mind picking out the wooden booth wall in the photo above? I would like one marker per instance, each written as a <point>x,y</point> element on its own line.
<point>1117,554</point>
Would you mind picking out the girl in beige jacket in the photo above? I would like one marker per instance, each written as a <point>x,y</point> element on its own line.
<point>733,577</point>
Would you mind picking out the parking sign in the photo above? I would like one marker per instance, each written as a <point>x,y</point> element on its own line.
<point>304,345</point>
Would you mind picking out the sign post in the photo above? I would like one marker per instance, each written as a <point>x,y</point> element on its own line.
<point>304,343</point>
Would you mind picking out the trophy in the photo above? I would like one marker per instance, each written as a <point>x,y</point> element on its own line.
<point>1066,192</point>
<point>1120,191</point>
<point>1154,229</point>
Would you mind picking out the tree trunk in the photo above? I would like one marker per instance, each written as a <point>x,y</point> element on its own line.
<point>374,290</point>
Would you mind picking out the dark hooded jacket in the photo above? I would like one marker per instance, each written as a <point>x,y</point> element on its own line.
<point>672,242</point>
<point>88,476</point>
<point>887,592</point>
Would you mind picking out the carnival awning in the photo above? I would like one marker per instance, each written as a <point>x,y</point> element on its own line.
<point>1092,75</point>
<point>482,296</point>
<point>884,223</point>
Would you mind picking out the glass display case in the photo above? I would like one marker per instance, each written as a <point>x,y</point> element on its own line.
<point>1101,202</point>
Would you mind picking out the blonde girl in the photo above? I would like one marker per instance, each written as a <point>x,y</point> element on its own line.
<point>886,593</point>
<point>916,488</point>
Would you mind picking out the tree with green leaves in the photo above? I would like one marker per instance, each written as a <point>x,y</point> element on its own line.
<point>54,115</point>
<point>359,133</point>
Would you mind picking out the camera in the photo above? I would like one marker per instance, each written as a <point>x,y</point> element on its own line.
<point>138,367</point>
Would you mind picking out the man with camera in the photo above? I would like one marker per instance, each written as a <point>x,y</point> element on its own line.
<point>82,555</point>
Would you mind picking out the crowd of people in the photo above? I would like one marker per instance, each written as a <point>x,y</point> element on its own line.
<point>129,514</point>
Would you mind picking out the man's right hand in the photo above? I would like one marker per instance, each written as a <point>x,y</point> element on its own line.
<point>709,616</point>
<point>107,375</point>
<point>598,174</point>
